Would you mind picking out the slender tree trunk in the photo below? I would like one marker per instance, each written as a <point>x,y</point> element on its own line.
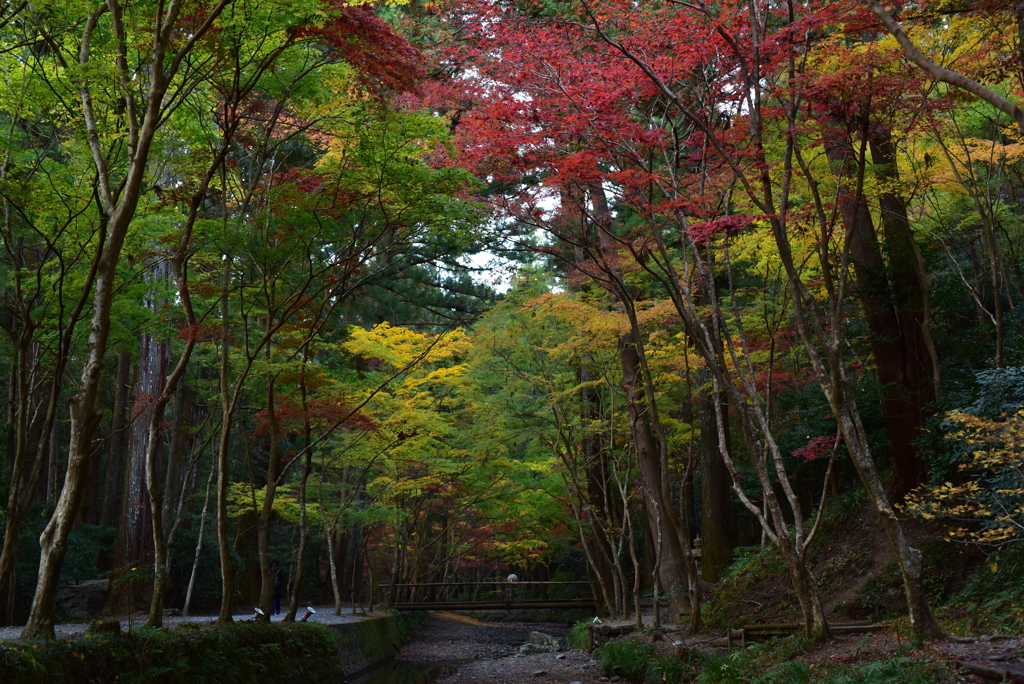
<point>267,510</point>
<point>650,459</point>
<point>307,468</point>
<point>597,489</point>
<point>25,473</point>
<point>85,415</point>
<point>157,493</point>
<point>118,439</point>
<point>293,603</point>
<point>672,570</point>
<point>199,541</point>
<point>223,535</point>
<point>178,450</point>
<point>134,545</point>
<point>329,531</point>
<point>922,620</point>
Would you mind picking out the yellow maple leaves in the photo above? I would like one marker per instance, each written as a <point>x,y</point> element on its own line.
<point>990,503</point>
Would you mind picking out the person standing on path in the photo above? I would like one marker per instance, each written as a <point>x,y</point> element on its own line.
<point>279,582</point>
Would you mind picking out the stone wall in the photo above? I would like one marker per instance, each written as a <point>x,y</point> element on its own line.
<point>366,644</point>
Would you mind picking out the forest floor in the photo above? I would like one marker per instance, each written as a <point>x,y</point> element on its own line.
<point>482,652</point>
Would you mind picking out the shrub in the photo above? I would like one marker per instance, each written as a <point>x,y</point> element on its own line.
<point>670,670</point>
<point>239,653</point>
<point>904,670</point>
<point>627,658</point>
<point>734,668</point>
<point>576,637</point>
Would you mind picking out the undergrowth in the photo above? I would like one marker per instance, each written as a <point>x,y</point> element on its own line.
<point>746,667</point>
<point>240,653</point>
<point>777,661</point>
<point>636,661</point>
<point>991,600</point>
<point>576,637</point>
<point>627,658</point>
<point>408,621</point>
<point>757,565</point>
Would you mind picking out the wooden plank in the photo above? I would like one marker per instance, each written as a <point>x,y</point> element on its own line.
<point>615,628</point>
<point>856,629</point>
<point>794,626</point>
<point>991,672</point>
<point>838,629</point>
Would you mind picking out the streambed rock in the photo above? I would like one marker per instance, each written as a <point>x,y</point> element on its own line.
<point>539,642</point>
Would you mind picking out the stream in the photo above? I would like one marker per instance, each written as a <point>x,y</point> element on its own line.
<point>407,672</point>
<point>456,649</point>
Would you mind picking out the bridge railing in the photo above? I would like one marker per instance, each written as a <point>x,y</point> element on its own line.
<point>481,592</point>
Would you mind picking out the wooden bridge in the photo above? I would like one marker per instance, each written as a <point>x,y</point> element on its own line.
<point>504,595</point>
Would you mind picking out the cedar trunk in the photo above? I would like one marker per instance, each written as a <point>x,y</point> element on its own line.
<point>718,518</point>
<point>894,311</point>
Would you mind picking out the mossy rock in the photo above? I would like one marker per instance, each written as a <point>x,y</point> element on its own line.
<point>104,626</point>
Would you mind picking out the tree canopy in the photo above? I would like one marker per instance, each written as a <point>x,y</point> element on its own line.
<point>755,255</point>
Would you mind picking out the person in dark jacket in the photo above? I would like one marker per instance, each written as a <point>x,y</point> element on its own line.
<point>279,587</point>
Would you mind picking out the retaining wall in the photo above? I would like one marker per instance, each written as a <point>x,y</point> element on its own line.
<point>364,645</point>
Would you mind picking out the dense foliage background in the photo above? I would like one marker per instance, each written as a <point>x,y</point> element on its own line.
<point>761,286</point>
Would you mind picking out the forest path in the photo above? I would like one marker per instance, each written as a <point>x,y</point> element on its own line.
<point>324,615</point>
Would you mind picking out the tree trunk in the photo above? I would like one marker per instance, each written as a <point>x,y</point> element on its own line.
<point>897,345</point>
<point>158,493</point>
<point>909,273</point>
<point>597,492</point>
<point>178,450</point>
<point>227,575</point>
<point>267,570</point>
<point>293,601</point>
<point>199,541</point>
<point>718,518</point>
<point>25,472</point>
<point>134,545</point>
<point>922,621</point>
<point>329,531</point>
<point>118,203</point>
<point>85,415</point>
<point>118,439</point>
<point>307,468</point>
<point>807,593</point>
<point>672,568</point>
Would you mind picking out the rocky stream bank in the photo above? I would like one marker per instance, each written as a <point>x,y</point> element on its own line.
<point>482,652</point>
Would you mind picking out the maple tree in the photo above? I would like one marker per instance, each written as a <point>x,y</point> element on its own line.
<point>639,150</point>
<point>760,262</point>
<point>995,490</point>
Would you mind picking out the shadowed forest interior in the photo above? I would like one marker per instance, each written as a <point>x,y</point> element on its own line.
<point>708,308</point>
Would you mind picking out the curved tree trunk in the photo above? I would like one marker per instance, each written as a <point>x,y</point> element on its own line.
<point>118,203</point>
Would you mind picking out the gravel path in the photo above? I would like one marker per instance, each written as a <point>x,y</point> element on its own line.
<point>324,615</point>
